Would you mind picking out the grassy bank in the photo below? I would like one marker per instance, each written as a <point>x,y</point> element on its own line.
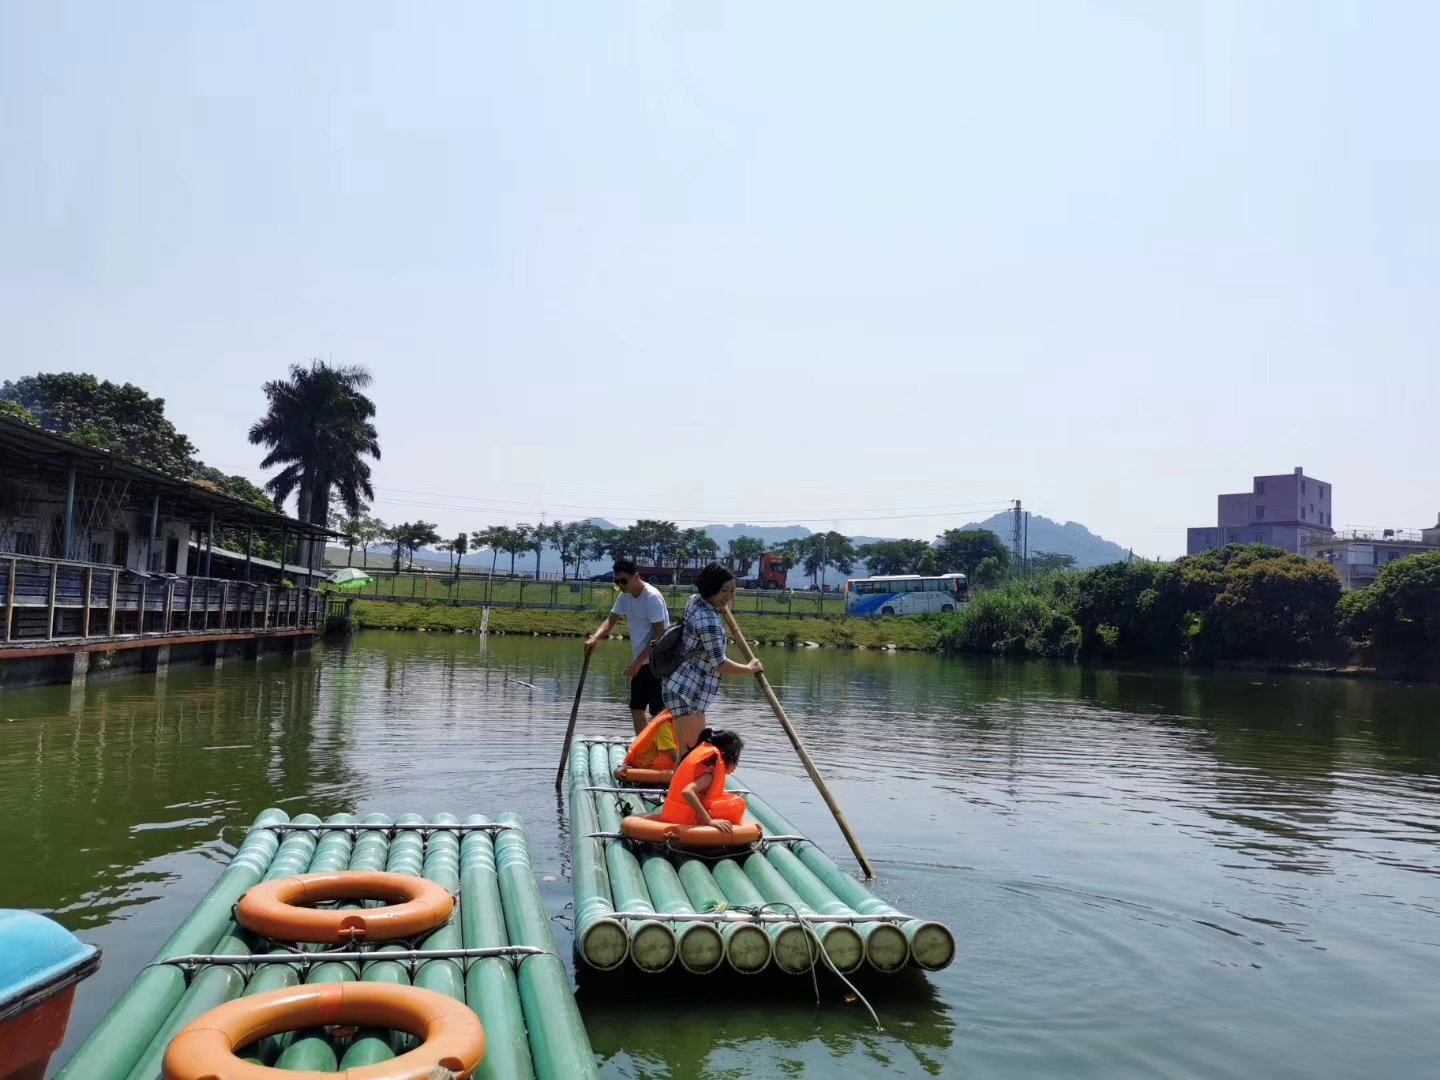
<point>759,629</point>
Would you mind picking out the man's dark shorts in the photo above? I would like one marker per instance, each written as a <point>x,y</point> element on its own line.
<point>645,692</point>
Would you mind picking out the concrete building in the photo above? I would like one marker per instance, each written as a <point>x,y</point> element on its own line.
<point>1359,555</point>
<point>100,560</point>
<point>1286,510</point>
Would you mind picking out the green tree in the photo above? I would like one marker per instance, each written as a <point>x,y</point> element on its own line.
<point>828,549</point>
<point>603,543</point>
<point>493,539</point>
<point>459,546</point>
<point>16,411</point>
<point>513,541</point>
<point>959,551</point>
<point>885,557</point>
<point>409,537</point>
<point>988,573</point>
<point>1045,562</point>
<point>318,427</point>
<point>929,565</point>
<point>742,553</point>
<point>350,535</point>
<point>122,419</point>
<point>371,531</point>
<point>790,552</point>
<point>567,538</point>
<point>1399,613</point>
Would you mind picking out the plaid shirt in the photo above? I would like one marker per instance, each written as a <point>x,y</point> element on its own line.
<point>694,684</point>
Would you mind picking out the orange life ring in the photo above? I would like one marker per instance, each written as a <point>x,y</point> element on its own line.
<point>277,909</point>
<point>453,1037</point>
<point>651,831</point>
<point>629,774</point>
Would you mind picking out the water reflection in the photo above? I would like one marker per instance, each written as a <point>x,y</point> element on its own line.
<point>746,1019</point>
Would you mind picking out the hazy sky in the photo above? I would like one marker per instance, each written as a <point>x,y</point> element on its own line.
<point>881,267</point>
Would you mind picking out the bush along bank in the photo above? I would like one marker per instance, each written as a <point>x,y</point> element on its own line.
<point>908,634</point>
<point>1244,603</point>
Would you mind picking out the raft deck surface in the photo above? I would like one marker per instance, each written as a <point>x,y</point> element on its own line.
<point>518,986</point>
<point>781,903</point>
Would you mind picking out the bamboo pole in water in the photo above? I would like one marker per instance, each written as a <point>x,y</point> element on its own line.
<point>312,1050</point>
<point>815,776</point>
<point>793,949</point>
<point>842,943</point>
<point>652,944</point>
<point>570,728</point>
<point>699,946</point>
<point>747,947</point>
<point>600,938</point>
<point>490,988</point>
<point>886,947</point>
<point>559,1045</point>
<point>283,976</point>
<point>932,945</point>
<point>213,986</point>
<point>442,866</point>
<point>371,1046</point>
<point>116,1045</point>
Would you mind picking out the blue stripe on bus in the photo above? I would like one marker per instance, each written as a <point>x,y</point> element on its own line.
<point>871,605</point>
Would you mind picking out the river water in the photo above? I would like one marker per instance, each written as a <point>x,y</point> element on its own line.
<point>1150,874</point>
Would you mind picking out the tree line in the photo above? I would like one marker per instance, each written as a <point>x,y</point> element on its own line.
<point>1242,603</point>
<point>978,553</point>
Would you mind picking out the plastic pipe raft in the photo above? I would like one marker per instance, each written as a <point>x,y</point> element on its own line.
<point>496,954</point>
<point>780,902</point>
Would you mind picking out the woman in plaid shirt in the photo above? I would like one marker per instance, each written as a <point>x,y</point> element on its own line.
<point>691,688</point>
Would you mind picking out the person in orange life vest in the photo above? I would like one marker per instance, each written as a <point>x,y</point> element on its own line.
<point>654,748</point>
<point>697,793</point>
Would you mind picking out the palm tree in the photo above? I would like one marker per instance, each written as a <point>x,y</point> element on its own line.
<point>318,426</point>
<point>459,546</point>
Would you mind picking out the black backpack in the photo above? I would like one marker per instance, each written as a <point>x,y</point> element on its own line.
<point>666,656</point>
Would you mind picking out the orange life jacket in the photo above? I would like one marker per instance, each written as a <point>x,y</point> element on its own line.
<point>647,751</point>
<point>676,810</point>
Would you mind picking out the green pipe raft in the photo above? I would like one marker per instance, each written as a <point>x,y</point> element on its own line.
<point>524,999</point>
<point>806,902</point>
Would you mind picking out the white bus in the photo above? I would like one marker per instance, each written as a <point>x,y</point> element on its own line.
<point>905,594</point>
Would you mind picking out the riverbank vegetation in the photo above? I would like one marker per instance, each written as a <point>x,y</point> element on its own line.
<point>1244,603</point>
<point>907,634</point>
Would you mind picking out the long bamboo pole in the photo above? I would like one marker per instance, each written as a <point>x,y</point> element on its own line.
<point>570,729</point>
<point>815,776</point>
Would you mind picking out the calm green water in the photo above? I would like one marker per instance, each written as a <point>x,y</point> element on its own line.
<point>1150,874</point>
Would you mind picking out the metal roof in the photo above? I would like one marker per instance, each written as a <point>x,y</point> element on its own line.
<point>23,444</point>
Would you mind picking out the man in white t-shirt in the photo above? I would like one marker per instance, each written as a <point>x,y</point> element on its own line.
<point>641,604</point>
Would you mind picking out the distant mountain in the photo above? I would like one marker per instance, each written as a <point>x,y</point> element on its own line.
<point>1072,538</point>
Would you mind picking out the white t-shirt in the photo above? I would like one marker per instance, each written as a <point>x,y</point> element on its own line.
<point>641,611</point>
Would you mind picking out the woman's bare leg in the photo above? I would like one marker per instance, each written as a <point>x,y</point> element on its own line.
<point>687,733</point>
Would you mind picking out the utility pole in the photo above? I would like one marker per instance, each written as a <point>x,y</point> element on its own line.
<point>1017,535</point>
<point>1026,559</point>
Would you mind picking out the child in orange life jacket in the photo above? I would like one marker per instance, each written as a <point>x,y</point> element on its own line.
<point>697,793</point>
<point>654,748</point>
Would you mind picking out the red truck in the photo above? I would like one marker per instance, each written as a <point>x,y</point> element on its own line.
<point>771,573</point>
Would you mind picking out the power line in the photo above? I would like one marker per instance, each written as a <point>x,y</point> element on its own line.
<point>512,507</point>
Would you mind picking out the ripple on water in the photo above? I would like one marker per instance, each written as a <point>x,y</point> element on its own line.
<point>1148,873</point>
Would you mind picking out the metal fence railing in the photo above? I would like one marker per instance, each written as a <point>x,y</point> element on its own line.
<point>50,600</point>
<point>482,590</point>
